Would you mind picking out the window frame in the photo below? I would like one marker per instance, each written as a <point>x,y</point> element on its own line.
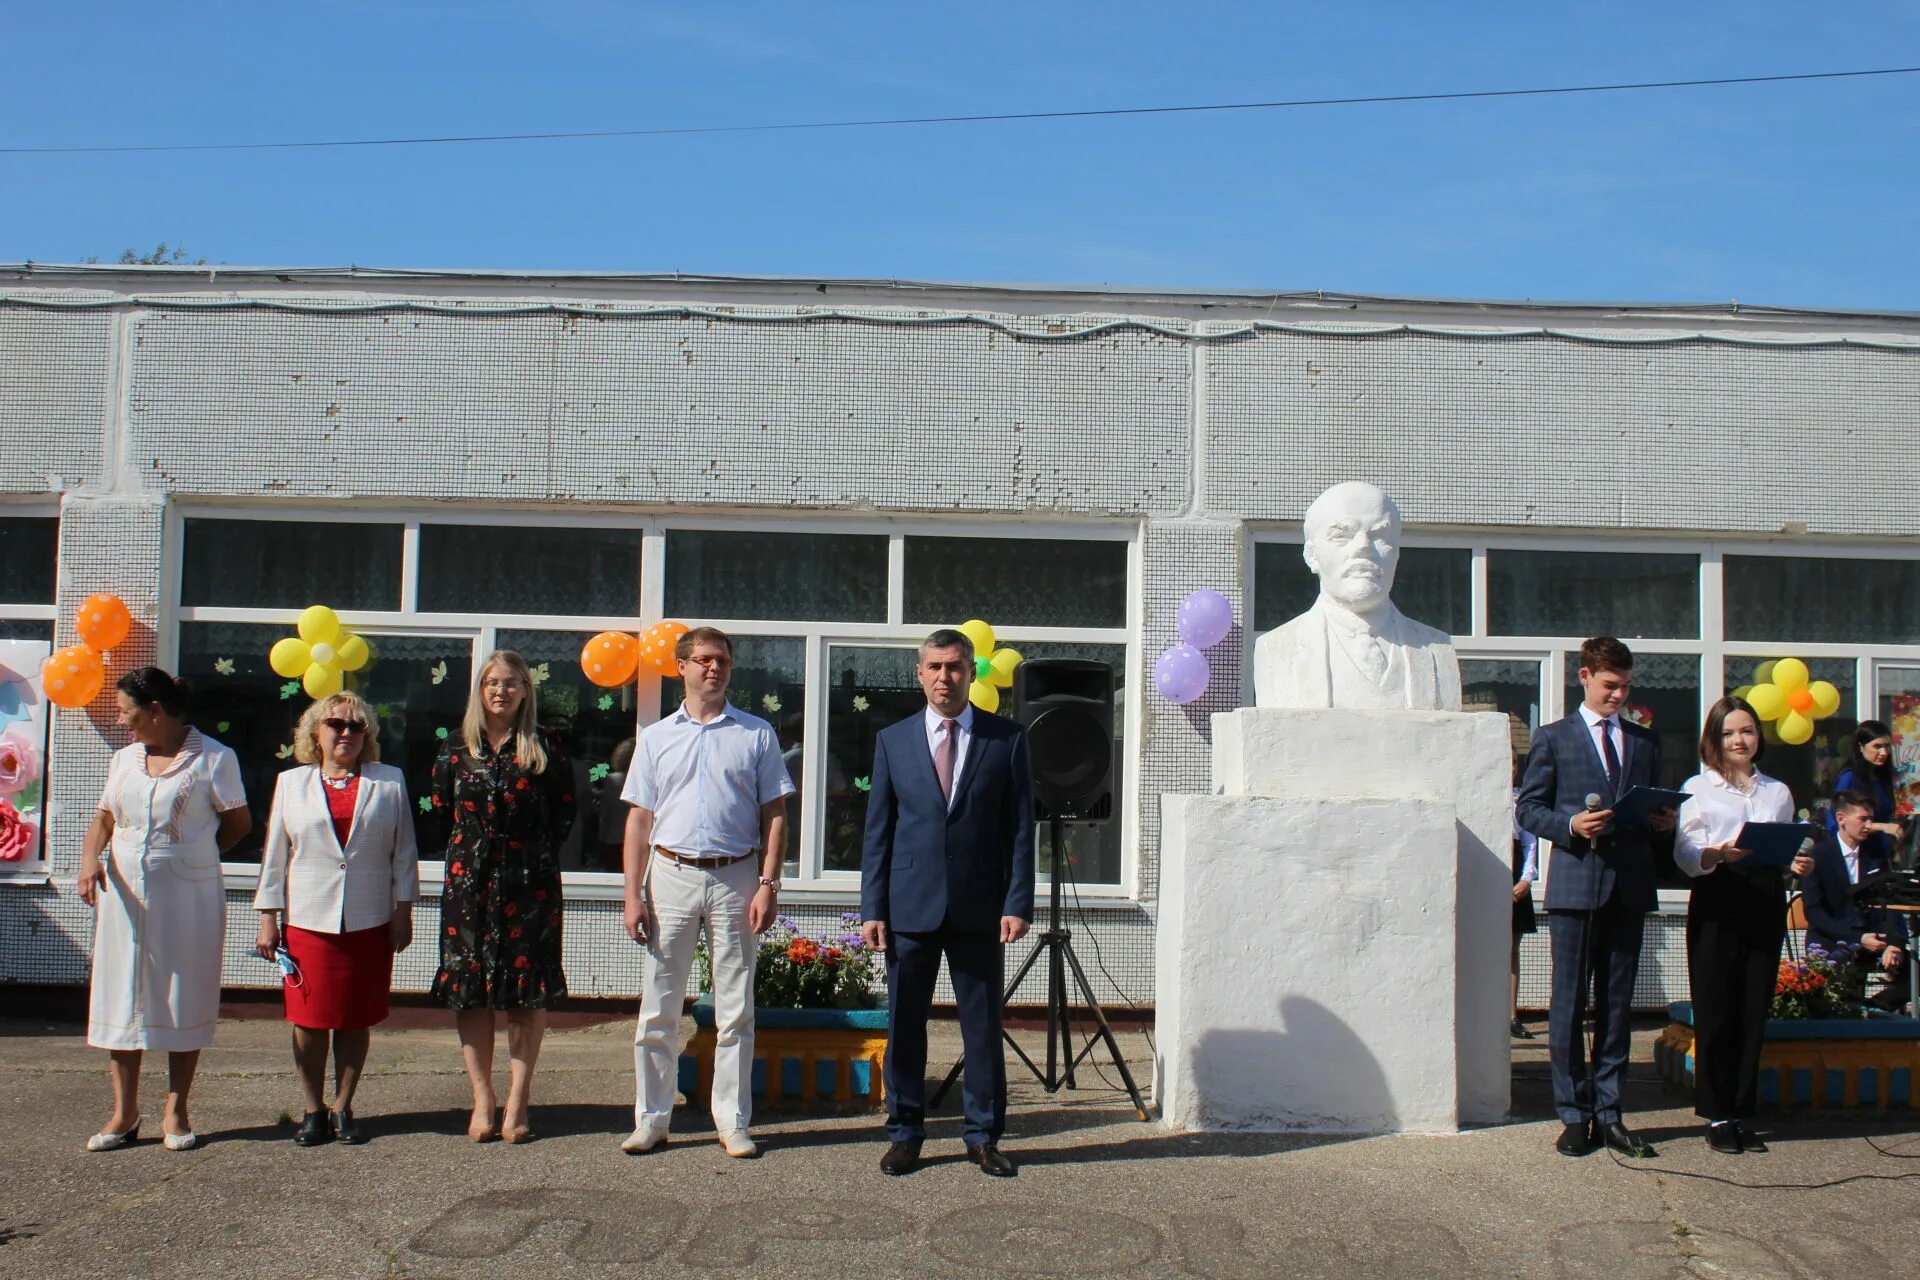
<point>812,883</point>
<point>49,612</point>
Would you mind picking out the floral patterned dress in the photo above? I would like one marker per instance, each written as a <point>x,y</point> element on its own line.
<point>500,909</point>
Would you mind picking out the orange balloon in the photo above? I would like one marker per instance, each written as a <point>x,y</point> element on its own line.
<point>1801,700</point>
<point>609,659</point>
<point>102,621</point>
<point>73,676</point>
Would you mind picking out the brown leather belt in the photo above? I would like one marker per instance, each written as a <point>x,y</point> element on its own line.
<point>702,864</point>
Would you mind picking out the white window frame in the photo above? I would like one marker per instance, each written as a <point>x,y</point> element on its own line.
<point>812,883</point>
<point>1712,647</point>
<point>35,509</point>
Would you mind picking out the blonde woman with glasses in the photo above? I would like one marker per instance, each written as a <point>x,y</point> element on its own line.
<point>338,881</point>
<point>505,793</point>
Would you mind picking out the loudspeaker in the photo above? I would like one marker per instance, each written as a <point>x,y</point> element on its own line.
<point>1066,705</point>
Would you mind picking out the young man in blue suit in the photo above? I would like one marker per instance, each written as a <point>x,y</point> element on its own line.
<point>1600,887</point>
<point>1841,861</point>
<point>947,867</point>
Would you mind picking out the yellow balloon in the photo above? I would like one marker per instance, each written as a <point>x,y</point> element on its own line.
<point>1768,702</point>
<point>352,653</point>
<point>984,696</point>
<point>319,625</point>
<point>981,634</point>
<point>321,682</point>
<point>1795,728</point>
<point>1003,662</point>
<point>289,657</point>
<point>1790,674</point>
<point>1763,673</point>
<point>1826,699</point>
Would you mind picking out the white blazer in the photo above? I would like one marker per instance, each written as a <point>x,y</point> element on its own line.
<point>322,887</point>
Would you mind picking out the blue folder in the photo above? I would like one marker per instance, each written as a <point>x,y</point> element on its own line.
<point>1772,844</point>
<point>1634,808</point>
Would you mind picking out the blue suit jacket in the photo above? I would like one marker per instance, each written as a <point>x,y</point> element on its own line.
<point>1827,895</point>
<point>1562,769</point>
<point>925,866</point>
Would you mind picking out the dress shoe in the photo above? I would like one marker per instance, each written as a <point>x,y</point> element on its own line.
<point>1750,1142</point>
<point>1519,1031</point>
<point>643,1138</point>
<point>1619,1138</point>
<point>1574,1140</point>
<point>346,1130</point>
<point>991,1162</point>
<point>901,1157</point>
<point>313,1131</point>
<point>180,1141</point>
<point>1724,1137</point>
<point>113,1141</point>
<point>737,1144</point>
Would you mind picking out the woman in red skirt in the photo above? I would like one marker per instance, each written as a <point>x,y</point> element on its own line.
<point>340,867</point>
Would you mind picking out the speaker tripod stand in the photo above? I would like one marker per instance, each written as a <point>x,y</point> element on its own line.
<point>1057,943</point>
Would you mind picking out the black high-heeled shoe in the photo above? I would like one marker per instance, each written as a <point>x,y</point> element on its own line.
<point>313,1131</point>
<point>345,1130</point>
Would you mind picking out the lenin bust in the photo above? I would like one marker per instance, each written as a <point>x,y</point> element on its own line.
<point>1353,648</point>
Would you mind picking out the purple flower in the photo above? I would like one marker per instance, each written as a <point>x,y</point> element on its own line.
<point>851,917</point>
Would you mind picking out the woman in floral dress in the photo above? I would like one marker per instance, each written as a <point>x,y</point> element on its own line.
<point>505,794</point>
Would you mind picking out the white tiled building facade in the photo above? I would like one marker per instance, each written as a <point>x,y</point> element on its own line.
<point>829,469</point>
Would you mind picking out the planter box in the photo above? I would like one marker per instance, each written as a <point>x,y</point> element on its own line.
<point>1815,1063</point>
<point>829,1059</point>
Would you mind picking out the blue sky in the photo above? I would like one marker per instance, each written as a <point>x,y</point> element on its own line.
<point>1798,194</point>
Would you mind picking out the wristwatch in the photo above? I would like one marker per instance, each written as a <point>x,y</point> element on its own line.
<point>771,884</point>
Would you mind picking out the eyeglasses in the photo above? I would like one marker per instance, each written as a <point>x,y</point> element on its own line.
<point>498,686</point>
<point>709,660</point>
<point>344,726</point>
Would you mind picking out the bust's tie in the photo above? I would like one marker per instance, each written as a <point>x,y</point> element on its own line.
<point>944,757</point>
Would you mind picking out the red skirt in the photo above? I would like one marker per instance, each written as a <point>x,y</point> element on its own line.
<point>344,978</point>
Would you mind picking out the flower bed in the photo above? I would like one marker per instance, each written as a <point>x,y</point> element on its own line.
<point>1813,1063</point>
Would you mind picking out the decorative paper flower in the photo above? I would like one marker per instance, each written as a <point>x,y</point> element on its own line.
<point>19,764</point>
<point>439,672</point>
<point>863,784</point>
<point>541,674</point>
<point>1782,694</point>
<point>771,702</point>
<point>321,654</point>
<point>425,803</point>
<point>441,733</point>
<point>599,772</point>
<point>860,703</point>
<point>223,666</point>
<point>283,752</point>
<point>19,839</point>
<point>992,667</point>
<point>288,689</point>
<point>604,702</point>
<point>1638,713</point>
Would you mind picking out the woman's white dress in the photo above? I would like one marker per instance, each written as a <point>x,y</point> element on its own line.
<point>162,921</point>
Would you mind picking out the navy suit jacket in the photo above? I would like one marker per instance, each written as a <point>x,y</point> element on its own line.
<point>926,866</point>
<point>1562,769</point>
<point>1827,895</point>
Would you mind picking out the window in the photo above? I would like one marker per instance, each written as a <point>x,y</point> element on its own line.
<point>529,570</point>
<point>1801,599</point>
<point>1432,585</point>
<point>1016,582</point>
<point>417,685</point>
<point>826,577</point>
<point>1510,686</point>
<point>290,564</point>
<point>29,555</point>
<point>1588,592</point>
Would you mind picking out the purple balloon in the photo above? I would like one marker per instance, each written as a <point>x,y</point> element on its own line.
<point>1181,674</point>
<point>1205,619</point>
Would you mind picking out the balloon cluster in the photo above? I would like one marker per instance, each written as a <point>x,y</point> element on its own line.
<point>1786,701</point>
<point>992,666</point>
<point>1182,672</point>
<point>74,676</point>
<point>321,654</point>
<point>612,658</point>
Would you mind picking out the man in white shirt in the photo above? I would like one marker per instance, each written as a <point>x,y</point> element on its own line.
<point>704,842</point>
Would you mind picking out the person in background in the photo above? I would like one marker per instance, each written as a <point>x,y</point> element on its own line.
<point>612,833</point>
<point>1736,920</point>
<point>1840,862</point>
<point>1869,770</point>
<point>1526,871</point>
<point>338,879</point>
<point>508,794</point>
<point>150,869</point>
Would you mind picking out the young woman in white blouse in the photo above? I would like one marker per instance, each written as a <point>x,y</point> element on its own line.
<point>1736,920</point>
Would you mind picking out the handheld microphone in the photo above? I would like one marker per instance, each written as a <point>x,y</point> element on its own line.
<point>1593,806</point>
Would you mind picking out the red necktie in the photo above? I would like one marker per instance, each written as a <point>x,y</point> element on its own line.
<point>945,755</point>
<point>1609,756</point>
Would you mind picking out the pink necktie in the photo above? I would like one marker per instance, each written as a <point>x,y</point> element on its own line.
<point>944,757</point>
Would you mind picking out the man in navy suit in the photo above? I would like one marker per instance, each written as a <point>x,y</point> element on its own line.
<point>947,867</point>
<point>1600,887</point>
<point>1843,860</point>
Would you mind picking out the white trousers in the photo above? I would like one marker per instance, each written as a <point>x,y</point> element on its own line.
<point>686,899</point>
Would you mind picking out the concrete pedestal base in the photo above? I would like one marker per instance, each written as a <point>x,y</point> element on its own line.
<point>1334,926</point>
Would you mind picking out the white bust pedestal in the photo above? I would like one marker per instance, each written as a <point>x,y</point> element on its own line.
<point>1334,923</point>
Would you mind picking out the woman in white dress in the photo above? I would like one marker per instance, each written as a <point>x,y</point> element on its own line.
<point>151,870</point>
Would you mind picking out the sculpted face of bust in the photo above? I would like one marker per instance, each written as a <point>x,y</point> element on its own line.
<point>1353,544</point>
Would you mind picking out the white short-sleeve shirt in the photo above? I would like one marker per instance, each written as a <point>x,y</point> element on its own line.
<point>705,783</point>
